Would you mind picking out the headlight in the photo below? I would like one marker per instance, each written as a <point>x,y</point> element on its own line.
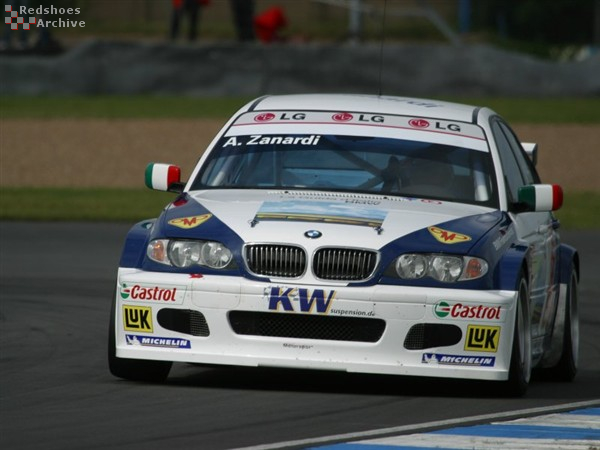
<point>184,253</point>
<point>445,268</point>
<point>411,267</point>
<point>187,253</point>
<point>215,255</point>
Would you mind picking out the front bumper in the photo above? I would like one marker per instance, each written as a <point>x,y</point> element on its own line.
<point>234,321</point>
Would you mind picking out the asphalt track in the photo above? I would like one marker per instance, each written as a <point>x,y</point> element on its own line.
<point>56,392</point>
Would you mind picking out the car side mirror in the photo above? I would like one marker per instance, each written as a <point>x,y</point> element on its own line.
<point>532,151</point>
<point>540,198</point>
<point>164,177</point>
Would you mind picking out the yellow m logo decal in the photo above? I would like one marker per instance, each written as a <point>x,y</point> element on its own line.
<point>189,222</point>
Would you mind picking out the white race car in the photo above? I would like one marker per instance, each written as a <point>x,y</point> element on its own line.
<point>353,233</point>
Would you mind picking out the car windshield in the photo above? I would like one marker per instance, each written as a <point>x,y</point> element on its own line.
<point>357,164</point>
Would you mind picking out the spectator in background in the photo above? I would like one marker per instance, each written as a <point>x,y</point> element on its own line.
<point>191,9</point>
<point>243,16</point>
<point>269,24</point>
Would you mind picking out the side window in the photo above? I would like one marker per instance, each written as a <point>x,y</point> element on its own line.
<point>527,169</point>
<point>512,173</point>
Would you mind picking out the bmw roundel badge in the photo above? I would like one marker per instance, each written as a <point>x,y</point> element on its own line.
<point>313,234</point>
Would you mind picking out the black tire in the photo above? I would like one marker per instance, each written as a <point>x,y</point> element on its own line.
<point>520,361</point>
<point>566,368</point>
<point>133,369</point>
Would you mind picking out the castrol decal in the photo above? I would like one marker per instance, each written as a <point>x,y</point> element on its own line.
<point>469,311</point>
<point>172,295</point>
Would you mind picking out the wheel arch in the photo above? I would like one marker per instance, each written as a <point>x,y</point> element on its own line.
<point>513,264</point>
<point>136,242</point>
<point>568,261</point>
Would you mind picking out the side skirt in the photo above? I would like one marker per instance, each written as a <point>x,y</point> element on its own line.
<point>554,352</point>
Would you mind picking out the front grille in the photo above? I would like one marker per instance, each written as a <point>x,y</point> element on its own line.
<point>286,261</point>
<point>429,335</point>
<point>183,321</point>
<point>344,264</point>
<point>305,326</point>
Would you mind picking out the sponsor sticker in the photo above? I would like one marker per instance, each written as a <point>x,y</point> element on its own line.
<point>311,301</point>
<point>137,318</point>
<point>342,117</point>
<point>155,341</point>
<point>458,360</point>
<point>264,117</point>
<point>189,222</point>
<point>418,123</point>
<point>298,346</point>
<point>301,300</point>
<point>259,139</point>
<point>468,311</point>
<point>324,212</point>
<point>448,237</point>
<point>503,238</point>
<point>359,124</point>
<point>138,292</point>
<point>482,338</point>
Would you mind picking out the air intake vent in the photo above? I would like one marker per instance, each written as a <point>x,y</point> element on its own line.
<point>185,321</point>
<point>429,335</point>
<point>285,261</point>
<point>344,264</point>
<point>305,326</point>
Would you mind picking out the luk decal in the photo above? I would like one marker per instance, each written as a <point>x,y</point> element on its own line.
<point>458,360</point>
<point>152,341</point>
<point>482,339</point>
<point>448,237</point>
<point>461,311</point>
<point>189,222</point>
<point>137,318</point>
<point>305,300</point>
<point>138,292</point>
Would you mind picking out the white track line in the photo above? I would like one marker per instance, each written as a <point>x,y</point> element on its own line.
<point>426,425</point>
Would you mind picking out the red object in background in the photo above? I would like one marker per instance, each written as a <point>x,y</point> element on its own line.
<point>179,3</point>
<point>268,24</point>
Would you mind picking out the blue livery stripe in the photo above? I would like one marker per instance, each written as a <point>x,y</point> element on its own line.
<point>371,447</point>
<point>570,429</point>
<point>586,412</point>
<point>524,431</point>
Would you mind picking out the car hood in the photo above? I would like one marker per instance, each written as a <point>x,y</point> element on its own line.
<point>314,219</point>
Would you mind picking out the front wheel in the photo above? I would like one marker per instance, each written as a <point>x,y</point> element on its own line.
<point>520,361</point>
<point>133,369</point>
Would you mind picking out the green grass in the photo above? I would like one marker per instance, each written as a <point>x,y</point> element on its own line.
<point>547,110</point>
<point>580,210</point>
<point>523,110</point>
<point>81,204</point>
<point>118,107</point>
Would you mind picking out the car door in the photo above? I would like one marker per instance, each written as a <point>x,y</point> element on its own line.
<point>536,228</point>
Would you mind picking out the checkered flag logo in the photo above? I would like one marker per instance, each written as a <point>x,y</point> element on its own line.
<point>14,20</point>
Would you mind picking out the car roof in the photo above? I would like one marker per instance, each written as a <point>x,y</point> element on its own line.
<point>406,106</point>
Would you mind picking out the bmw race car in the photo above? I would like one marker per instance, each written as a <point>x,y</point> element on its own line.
<point>354,233</point>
